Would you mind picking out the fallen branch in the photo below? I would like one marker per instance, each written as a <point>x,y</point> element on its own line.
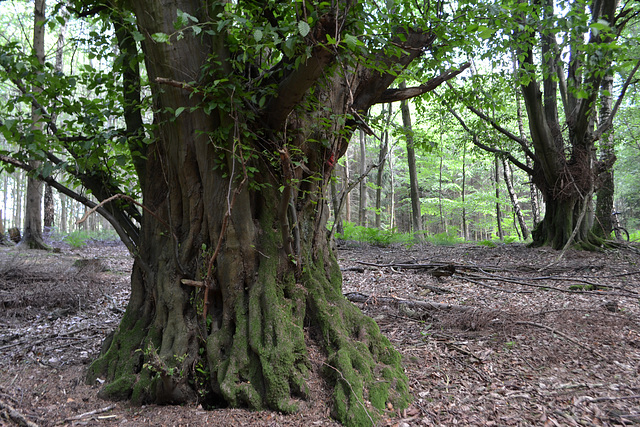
<point>426,305</point>
<point>94,412</point>
<point>16,416</point>
<point>520,281</point>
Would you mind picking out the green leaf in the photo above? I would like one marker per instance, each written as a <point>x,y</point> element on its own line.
<point>601,25</point>
<point>196,29</point>
<point>582,94</point>
<point>352,41</point>
<point>137,36</point>
<point>485,32</point>
<point>303,28</point>
<point>160,37</point>
<point>178,111</point>
<point>257,35</point>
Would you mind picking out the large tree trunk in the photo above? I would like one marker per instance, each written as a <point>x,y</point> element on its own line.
<point>234,278</point>
<point>564,165</point>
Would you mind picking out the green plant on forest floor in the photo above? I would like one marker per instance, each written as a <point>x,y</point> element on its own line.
<point>374,236</point>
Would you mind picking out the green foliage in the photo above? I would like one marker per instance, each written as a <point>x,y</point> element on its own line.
<point>80,238</point>
<point>487,243</point>
<point>444,239</point>
<point>76,239</point>
<point>374,236</point>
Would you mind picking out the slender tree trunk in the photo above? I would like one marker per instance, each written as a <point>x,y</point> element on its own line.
<point>49,210</point>
<point>392,192</point>
<point>362,211</point>
<point>465,226</point>
<point>508,180</point>
<point>5,220</point>
<point>63,214</point>
<point>382,157</point>
<point>346,178</point>
<point>416,214</point>
<point>533,191</point>
<point>335,203</point>
<point>602,226</point>
<point>32,233</point>
<point>496,176</point>
<point>443,222</point>
<point>17,197</point>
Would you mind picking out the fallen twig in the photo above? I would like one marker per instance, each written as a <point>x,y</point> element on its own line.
<point>94,412</point>
<point>563,335</point>
<point>428,305</point>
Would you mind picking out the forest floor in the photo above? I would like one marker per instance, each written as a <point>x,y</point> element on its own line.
<point>489,336</point>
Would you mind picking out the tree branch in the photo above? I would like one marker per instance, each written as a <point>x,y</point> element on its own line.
<point>393,95</point>
<point>131,241</point>
<point>292,89</point>
<point>607,124</point>
<point>524,144</point>
<point>374,84</point>
<point>477,143</point>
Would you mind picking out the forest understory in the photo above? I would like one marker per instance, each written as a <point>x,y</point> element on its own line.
<point>489,336</point>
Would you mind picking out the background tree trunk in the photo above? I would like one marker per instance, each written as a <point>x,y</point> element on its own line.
<point>602,226</point>
<point>362,208</point>
<point>32,233</point>
<point>508,180</point>
<point>49,210</point>
<point>496,180</point>
<point>416,214</point>
<point>382,159</point>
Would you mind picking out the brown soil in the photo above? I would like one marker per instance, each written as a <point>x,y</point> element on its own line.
<point>515,336</point>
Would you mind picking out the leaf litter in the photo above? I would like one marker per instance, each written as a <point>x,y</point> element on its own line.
<point>489,336</point>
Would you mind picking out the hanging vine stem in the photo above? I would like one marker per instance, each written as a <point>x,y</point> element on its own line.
<point>231,200</point>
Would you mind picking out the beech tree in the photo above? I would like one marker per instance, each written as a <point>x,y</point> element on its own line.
<point>563,55</point>
<point>253,104</point>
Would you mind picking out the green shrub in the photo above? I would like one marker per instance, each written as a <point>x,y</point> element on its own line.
<point>374,236</point>
<point>444,239</point>
<point>76,238</point>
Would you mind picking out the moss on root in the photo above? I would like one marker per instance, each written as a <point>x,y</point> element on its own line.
<point>263,362</point>
<point>125,342</point>
<point>362,363</point>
